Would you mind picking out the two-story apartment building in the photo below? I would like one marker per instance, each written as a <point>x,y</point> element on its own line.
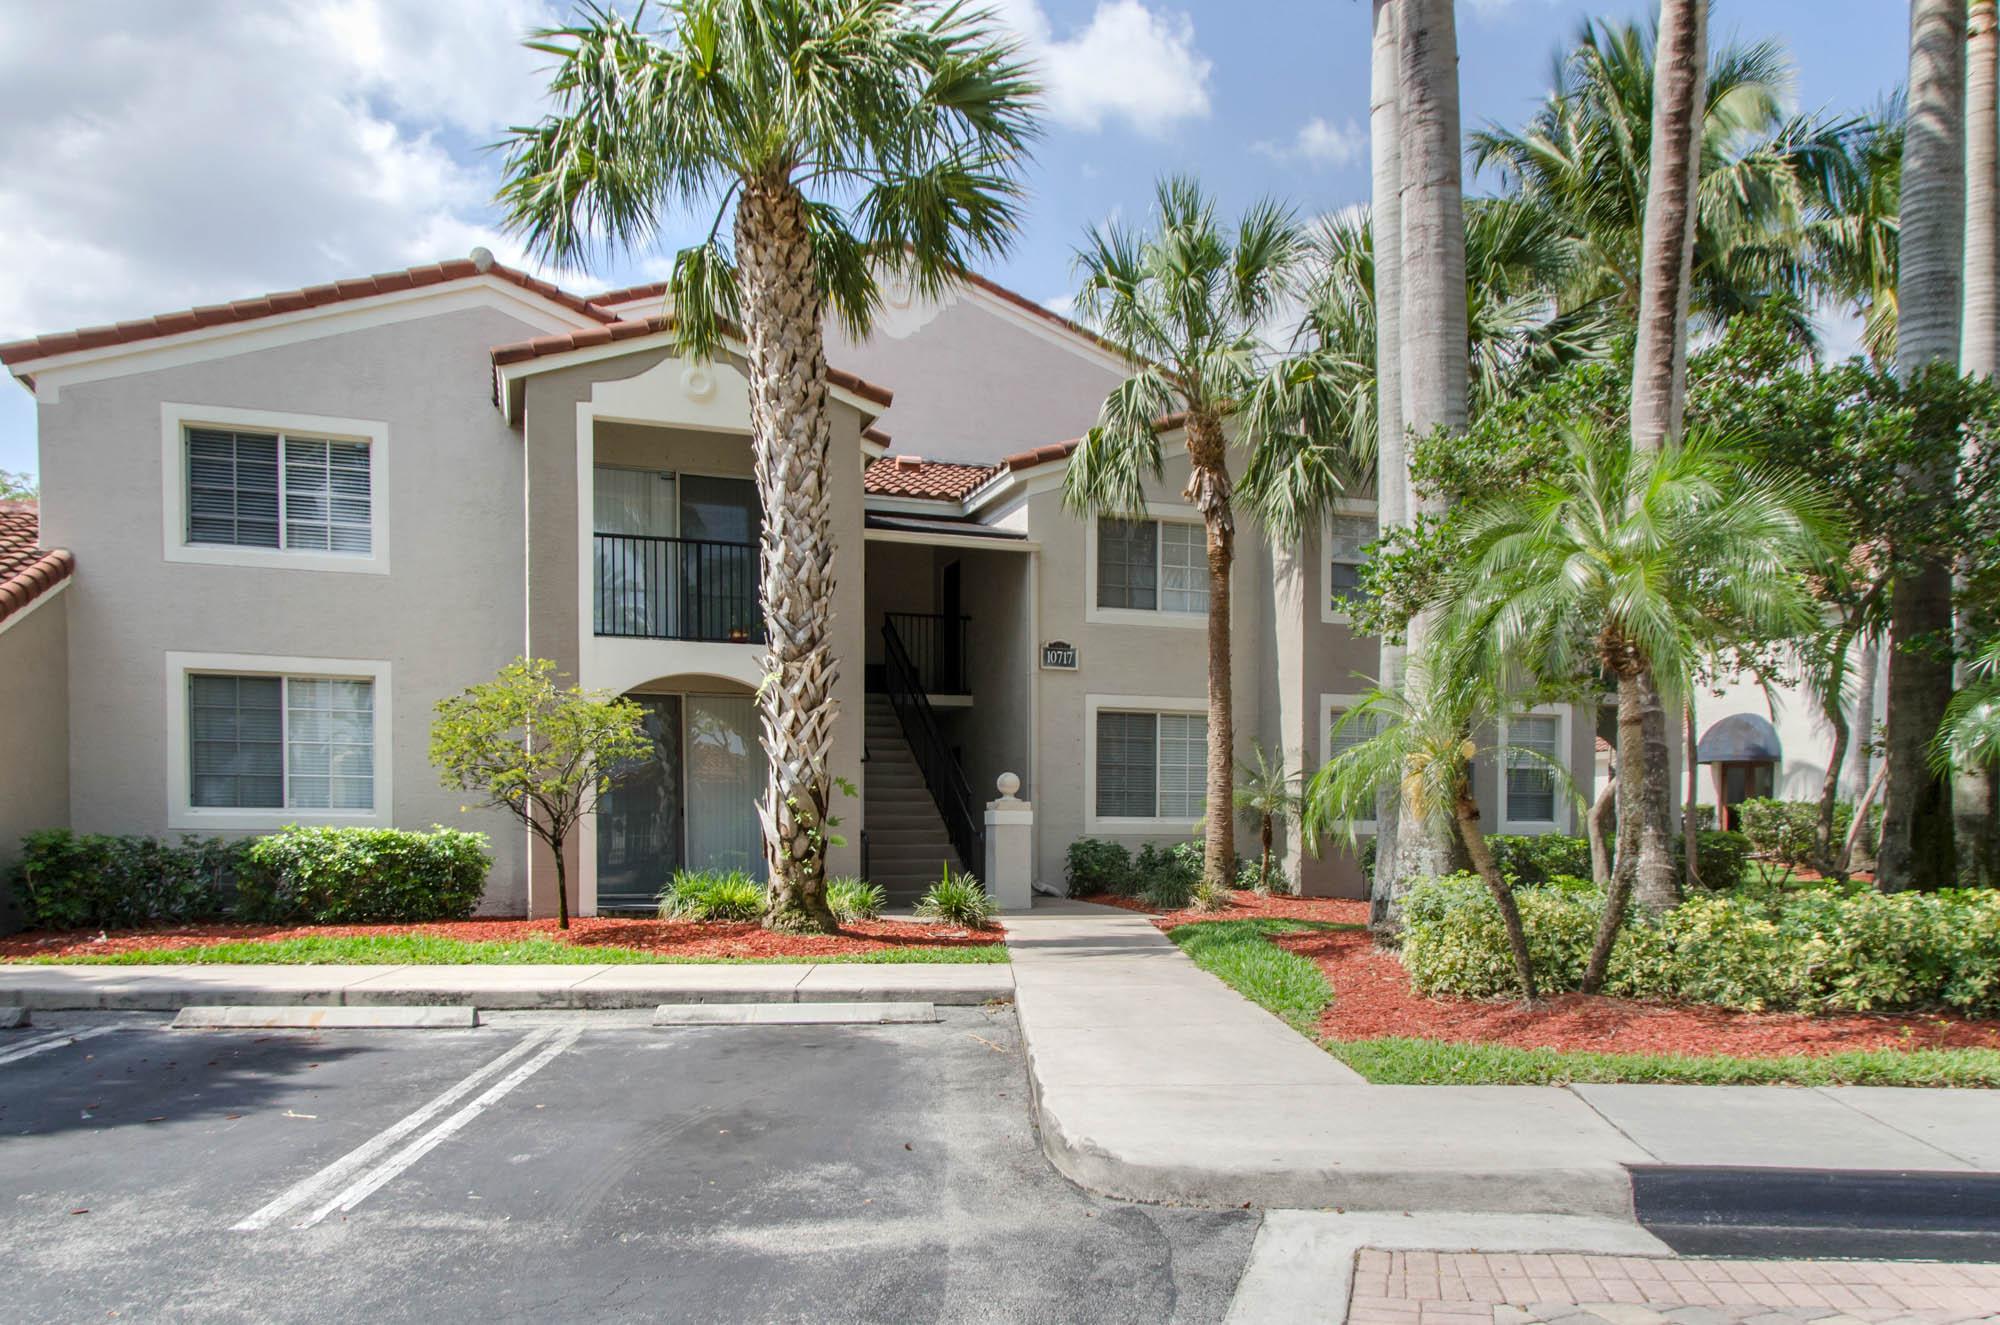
<point>297,522</point>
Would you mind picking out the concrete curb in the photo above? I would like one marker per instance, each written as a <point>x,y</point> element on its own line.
<point>793,1014</point>
<point>266,1017</point>
<point>13,1018</point>
<point>498,988</point>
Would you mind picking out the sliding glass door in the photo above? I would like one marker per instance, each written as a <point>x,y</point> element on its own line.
<point>691,803</point>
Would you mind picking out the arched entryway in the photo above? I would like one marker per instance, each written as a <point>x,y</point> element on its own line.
<point>691,803</point>
<point>1743,753</point>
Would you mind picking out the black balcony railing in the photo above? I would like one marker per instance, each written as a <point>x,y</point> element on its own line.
<point>677,588</point>
<point>936,647</point>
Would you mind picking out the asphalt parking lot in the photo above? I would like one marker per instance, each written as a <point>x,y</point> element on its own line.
<point>572,1167</point>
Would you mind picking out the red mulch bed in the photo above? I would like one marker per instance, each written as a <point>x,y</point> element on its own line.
<point>672,938</point>
<point>1372,997</point>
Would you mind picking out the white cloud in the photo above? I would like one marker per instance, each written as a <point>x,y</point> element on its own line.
<point>1129,62</point>
<point>1320,140</point>
<point>163,155</point>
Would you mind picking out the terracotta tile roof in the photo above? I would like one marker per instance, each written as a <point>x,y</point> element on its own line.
<point>875,435</point>
<point>287,301</point>
<point>633,328</point>
<point>26,571</point>
<point>913,476</point>
<point>1042,455</point>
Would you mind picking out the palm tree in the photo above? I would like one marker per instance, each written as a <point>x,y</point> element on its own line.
<point>1969,737</point>
<point>1187,302</point>
<point>1421,751</point>
<point>1435,334</point>
<point>846,134</point>
<point>1640,564</point>
<point>1269,793</point>
<point>1917,847</point>
<point>1587,153</point>
<point>1384,349</point>
<point>1850,231</point>
<point>1972,787</point>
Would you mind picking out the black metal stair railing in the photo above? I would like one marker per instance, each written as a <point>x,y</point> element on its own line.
<point>963,822</point>
<point>936,645</point>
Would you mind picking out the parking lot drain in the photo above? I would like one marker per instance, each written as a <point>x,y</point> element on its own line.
<point>792,1014</point>
<point>313,1018</point>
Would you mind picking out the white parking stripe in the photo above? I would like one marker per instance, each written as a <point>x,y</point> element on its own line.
<point>341,1170</point>
<point>55,1041</point>
<point>382,1173</point>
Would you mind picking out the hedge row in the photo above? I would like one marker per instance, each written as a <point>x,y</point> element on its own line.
<point>1163,876</point>
<point>68,880</point>
<point>1847,949</point>
<point>1723,859</point>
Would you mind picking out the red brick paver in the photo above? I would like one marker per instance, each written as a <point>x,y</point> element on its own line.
<point>1472,1288</point>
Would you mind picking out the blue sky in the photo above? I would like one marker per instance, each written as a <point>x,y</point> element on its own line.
<point>152,159</point>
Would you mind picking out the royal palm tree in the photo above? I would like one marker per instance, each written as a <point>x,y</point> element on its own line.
<point>1421,750</point>
<point>1587,153</point>
<point>1187,300</point>
<point>1979,356</point>
<point>1268,793</point>
<point>1638,565</point>
<point>1850,233</point>
<point>1435,335</point>
<point>1917,847</point>
<point>1385,345</point>
<point>846,135</point>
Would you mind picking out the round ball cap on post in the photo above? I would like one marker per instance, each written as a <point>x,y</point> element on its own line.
<point>1008,785</point>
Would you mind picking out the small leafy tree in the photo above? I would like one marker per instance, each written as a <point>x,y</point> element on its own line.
<point>542,752</point>
<point>18,486</point>
<point>1267,793</point>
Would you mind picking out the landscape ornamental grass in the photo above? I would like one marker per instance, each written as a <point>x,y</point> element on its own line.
<point>1827,949</point>
<point>958,899</point>
<point>712,895</point>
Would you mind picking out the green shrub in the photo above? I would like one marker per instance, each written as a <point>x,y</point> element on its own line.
<point>1783,830</point>
<point>68,880</point>
<point>336,876</point>
<point>1722,859</point>
<point>1531,859</point>
<point>1826,949</point>
<point>1166,876</point>
<point>712,895</point>
<point>1096,866</point>
<point>851,899</point>
<point>1250,875</point>
<point>956,899</point>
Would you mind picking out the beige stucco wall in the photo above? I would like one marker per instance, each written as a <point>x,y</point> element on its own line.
<point>447,614</point>
<point>974,383</point>
<point>638,411</point>
<point>34,729</point>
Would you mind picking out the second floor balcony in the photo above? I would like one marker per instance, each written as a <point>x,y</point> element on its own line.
<point>649,587</point>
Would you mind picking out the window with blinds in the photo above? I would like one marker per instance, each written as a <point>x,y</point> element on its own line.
<point>1347,538</point>
<point>271,490</point>
<point>1531,784</point>
<point>272,742</point>
<point>1151,765</point>
<point>1151,565</point>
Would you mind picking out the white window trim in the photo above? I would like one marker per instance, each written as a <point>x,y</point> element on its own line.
<point>1125,825</point>
<point>175,419</point>
<point>1166,513</point>
<point>182,813</point>
<point>1564,812</point>
<point>1345,703</point>
<point>1341,506</point>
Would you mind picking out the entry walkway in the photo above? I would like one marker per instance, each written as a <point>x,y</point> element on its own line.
<point>1155,1081</point>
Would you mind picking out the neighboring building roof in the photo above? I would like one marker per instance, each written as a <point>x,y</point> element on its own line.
<point>634,328</point>
<point>913,476</point>
<point>1740,738</point>
<point>26,570</point>
<point>288,301</point>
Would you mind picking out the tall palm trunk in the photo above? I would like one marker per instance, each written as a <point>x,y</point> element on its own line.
<point>1690,820</point>
<point>1659,364</point>
<point>1392,459</point>
<point>1917,849</point>
<point>1465,813</point>
<point>789,437</point>
<point>1972,788</point>
<point>1434,332</point>
<point>1208,492</point>
<point>1636,694</point>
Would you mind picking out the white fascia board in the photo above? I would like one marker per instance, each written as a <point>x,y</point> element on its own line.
<point>51,374</point>
<point>937,506</point>
<point>510,373</point>
<point>951,540</point>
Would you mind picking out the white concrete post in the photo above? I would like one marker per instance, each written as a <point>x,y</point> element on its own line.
<point>1010,831</point>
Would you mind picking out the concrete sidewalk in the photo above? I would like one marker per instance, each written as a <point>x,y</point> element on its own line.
<point>1155,1081</point>
<point>501,987</point>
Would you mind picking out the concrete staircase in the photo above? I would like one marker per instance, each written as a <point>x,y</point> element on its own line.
<point>907,843</point>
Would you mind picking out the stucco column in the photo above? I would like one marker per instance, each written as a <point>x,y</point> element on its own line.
<point>1010,847</point>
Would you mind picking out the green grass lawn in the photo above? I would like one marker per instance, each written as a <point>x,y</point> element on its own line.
<point>1241,955</point>
<point>434,950</point>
